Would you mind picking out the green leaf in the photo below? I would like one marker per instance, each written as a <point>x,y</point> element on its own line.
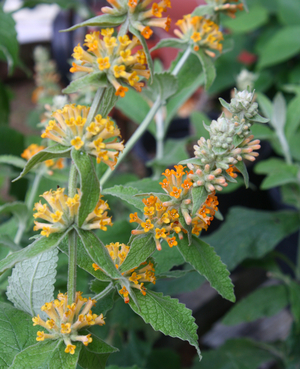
<point>6,241</point>
<point>279,112</point>
<point>40,245</point>
<point>51,152</point>
<point>208,67</point>
<point>265,104</point>
<point>292,117</point>
<point>32,283</point>
<point>278,179</point>
<point>108,101</point>
<point>249,233</point>
<point>204,10</point>
<point>197,120</point>
<point>164,85</point>
<point>13,160</point>
<point>47,354</point>
<point>171,42</point>
<point>104,20</point>
<point>98,253</point>
<point>16,333</point>
<point>143,42</point>
<point>247,22</point>
<point>207,263</point>
<point>140,249</point>
<point>259,119</point>
<point>238,353</point>
<point>89,184</point>
<point>167,316</point>
<point>146,185</point>
<point>294,297</point>
<point>225,104</point>
<point>95,355</point>
<point>126,194</point>
<point>105,303</point>
<point>174,274</point>
<point>18,209</point>
<point>199,195</point>
<point>166,258</point>
<point>285,40</point>
<point>241,166</point>
<point>97,79</point>
<point>288,12</point>
<point>9,46</point>
<point>262,132</point>
<point>264,302</point>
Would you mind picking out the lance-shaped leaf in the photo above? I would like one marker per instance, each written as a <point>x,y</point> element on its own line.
<point>9,46</point>
<point>16,333</point>
<point>241,166</point>
<point>164,85</point>
<point>205,260</point>
<point>32,282</point>
<point>259,119</point>
<point>175,43</point>
<point>108,101</point>
<point>263,302</point>
<point>52,152</point>
<point>13,160</point>
<point>95,355</point>
<point>40,245</point>
<point>294,298</point>
<point>204,10</point>
<point>104,20</point>
<point>207,66</point>
<point>97,79</point>
<point>98,253</point>
<point>199,195</point>
<point>167,315</point>
<point>89,184</point>
<point>17,208</point>
<point>126,194</point>
<point>140,249</point>
<point>143,42</point>
<point>47,354</point>
<point>6,241</point>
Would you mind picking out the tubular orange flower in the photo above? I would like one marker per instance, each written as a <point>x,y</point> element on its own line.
<point>227,7</point>
<point>137,276</point>
<point>205,214</point>
<point>66,320</point>
<point>113,57</point>
<point>63,212</point>
<point>99,138</point>
<point>201,32</point>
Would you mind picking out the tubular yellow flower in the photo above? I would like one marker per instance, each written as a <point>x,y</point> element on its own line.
<point>65,320</point>
<point>62,212</point>
<point>201,32</point>
<point>99,139</point>
<point>113,57</point>
<point>137,276</point>
<point>142,17</point>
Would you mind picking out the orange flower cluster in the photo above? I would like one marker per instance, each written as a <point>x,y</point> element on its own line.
<point>205,214</point>
<point>161,221</point>
<point>136,276</point>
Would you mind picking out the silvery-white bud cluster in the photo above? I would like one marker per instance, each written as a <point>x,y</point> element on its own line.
<point>243,104</point>
<point>221,132</point>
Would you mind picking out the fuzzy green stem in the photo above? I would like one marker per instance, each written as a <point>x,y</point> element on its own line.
<point>105,292</point>
<point>285,146</point>
<point>72,266</point>
<point>298,259</point>
<point>181,62</point>
<point>160,134</point>
<point>95,105</point>
<point>72,181</point>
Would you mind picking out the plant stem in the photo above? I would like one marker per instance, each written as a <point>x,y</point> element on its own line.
<point>285,147</point>
<point>72,266</point>
<point>298,259</point>
<point>72,181</point>
<point>144,125</point>
<point>95,105</point>
<point>105,292</point>
<point>160,134</point>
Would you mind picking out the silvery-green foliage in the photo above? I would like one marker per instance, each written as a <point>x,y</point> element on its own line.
<point>32,282</point>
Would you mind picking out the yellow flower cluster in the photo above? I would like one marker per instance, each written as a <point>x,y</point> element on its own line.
<point>141,17</point>
<point>63,211</point>
<point>136,276</point>
<point>113,57</point>
<point>66,320</point>
<point>203,33</point>
<point>99,138</point>
<point>161,221</point>
<point>34,149</point>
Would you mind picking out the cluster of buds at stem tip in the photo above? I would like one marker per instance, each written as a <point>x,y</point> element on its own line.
<point>65,321</point>
<point>229,7</point>
<point>202,33</point>
<point>141,17</point>
<point>63,211</point>
<point>50,164</point>
<point>114,58</point>
<point>99,138</point>
<point>136,277</point>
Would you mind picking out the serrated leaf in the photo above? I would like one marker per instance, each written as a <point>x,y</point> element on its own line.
<point>207,263</point>
<point>126,194</point>
<point>171,42</point>
<point>6,241</point>
<point>97,79</point>
<point>167,315</point>
<point>264,302</point>
<point>98,253</point>
<point>108,101</point>
<point>166,258</point>
<point>95,355</point>
<point>40,245</point>
<point>13,160</point>
<point>17,208</point>
<point>199,195</point>
<point>89,184</point>
<point>32,283</point>
<point>241,166</point>
<point>104,20</point>
<point>51,152</point>
<point>140,249</point>
<point>208,67</point>
<point>16,333</point>
<point>47,354</point>
<point>9,46</point>
<point>254,233</point>
<point>164,85</point>
<point>204,10</point>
